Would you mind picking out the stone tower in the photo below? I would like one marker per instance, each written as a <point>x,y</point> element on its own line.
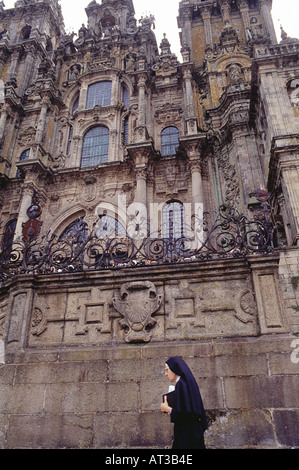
<point>148,208</point>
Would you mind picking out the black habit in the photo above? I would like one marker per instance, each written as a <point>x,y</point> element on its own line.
<point>188,414</point>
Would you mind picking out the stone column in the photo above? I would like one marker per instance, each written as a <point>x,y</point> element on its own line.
<point>189,94</point>
<point>267,19</point>
<point>4,114</point>
<point>191,120</point>
<point>225,8</point>
<point>206,16</point>
<point>244,9</point>
<point>27,70</point>
<point>290,177</point>
<point>141,132</point>
<point>142,101</point>
<point>137,211</point>
<point>140,194</point>
<point>115,92</point>
<point>42,121</point>
<point>186,27</point>
<point>26,201</point>
<point>197,186</point>
<point>14,64</point>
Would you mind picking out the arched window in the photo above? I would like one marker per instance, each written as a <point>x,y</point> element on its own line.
<point>173,220</point>
<point>76,232</point>
<point>99,94</point>
<point>24,156</point>
<point>169,140</point>
<point>69,141</point>
<point>95,146</point>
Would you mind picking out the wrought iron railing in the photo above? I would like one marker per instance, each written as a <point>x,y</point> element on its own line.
<point>226,234</point>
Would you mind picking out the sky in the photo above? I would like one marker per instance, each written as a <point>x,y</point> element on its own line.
<point>284,12</point>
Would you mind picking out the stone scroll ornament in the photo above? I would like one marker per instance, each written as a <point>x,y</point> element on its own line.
<point>137,303</point>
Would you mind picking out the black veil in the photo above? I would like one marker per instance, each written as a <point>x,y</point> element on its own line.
<point>188,398</point>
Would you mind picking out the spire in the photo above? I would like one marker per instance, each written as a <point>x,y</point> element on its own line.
<point>165,46</point>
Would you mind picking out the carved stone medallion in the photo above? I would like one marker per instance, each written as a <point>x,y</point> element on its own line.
<point>138,301</point>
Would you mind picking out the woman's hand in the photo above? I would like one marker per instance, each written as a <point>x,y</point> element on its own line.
<point>164,407</point>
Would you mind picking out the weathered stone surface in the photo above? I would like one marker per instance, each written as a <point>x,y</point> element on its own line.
<point>242,429</point>
<point>287,427</point>
<point>114,402</point>
<point>262,392</point>
<point>215,300</point>
<point>49,431</point>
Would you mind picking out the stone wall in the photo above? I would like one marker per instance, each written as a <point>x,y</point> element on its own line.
<point>109,397</point>
<point>81,371</point>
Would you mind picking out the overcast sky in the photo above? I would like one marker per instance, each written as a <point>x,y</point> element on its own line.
<point>285,12</point>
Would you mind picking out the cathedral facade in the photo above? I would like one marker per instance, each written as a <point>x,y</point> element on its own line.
<point>149,207</point>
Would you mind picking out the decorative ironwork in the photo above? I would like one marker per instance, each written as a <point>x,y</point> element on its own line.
<point>225,235</point>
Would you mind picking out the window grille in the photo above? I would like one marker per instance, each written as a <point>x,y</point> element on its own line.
<point>76,232</point>
<point>169,141</point>
<point>99,94</point>
<point>95,146</point>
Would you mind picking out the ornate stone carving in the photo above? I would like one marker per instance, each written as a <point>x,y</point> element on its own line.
<point>137,303</point>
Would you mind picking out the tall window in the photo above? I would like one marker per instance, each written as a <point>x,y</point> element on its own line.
<point>99,94</point>
<point>126,97</point>
<point>95,146</point>
<point>169,140</point>
<point>126,130</point>
<point>173,220</point>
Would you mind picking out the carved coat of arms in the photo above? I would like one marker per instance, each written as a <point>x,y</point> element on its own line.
<point>137,303</point>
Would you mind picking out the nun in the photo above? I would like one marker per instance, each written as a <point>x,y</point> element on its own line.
<point>184,405</point>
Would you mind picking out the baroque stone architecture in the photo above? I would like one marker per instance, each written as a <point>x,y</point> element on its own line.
<point>149,207</point>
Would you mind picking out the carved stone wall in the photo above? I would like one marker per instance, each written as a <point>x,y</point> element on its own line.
<point>229,298</point>
<point>84,355</point>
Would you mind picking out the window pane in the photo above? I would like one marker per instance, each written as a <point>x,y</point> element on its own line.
<point>126,97</point>
<point>173,220</point>
<point>76,232</point>
<point>95,146</point>
<point>109,227</point>
<point>169,141</point>
<point>99,94</point>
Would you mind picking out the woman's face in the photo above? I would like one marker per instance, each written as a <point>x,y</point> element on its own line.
<point>169,374</point>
